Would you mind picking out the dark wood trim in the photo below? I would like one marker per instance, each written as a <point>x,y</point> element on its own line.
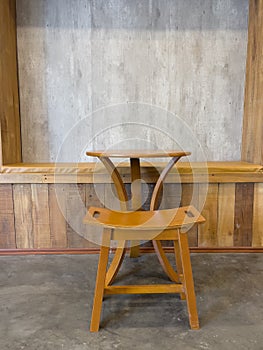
<point>252,150</point>
<point>243,220</point>
<point>49,251</point>
<point>144,250</point>
<point>10,146</point>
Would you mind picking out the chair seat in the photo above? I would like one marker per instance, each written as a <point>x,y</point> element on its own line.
<point>140,225</point>
<point>144,220</point>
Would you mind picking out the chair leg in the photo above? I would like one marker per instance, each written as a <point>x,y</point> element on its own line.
<point>100,282</point>
<point>178,264</point>
<point>188,281</point>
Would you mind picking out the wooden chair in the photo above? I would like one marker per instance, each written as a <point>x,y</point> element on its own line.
<point>170,224</point>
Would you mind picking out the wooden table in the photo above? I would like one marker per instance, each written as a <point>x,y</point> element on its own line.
<point>134,157</point>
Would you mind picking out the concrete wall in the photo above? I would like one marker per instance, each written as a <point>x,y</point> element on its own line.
<point>185,57</point>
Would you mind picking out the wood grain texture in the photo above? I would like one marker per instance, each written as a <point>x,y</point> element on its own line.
<point>36,221</point>
<point>58,224</point>
<point>7,226</point>
<point>136,154</point>
<point>207,232</point>
<point>23,215</point>
<point>111,199</point>
<point>144,289</point>
<point>94,196</point>
<point>40,216</point>
<point>154,220</point>
<point>243,214</point>
<point>219,172</point>
<point>10,148</point>
<point>88,178</point>
<point>75,209</point>
<point>257,240</point>
<point>190,193</point>
<point>252,149</point>
<point>148,169</point>
<point>170,197</point>
<point>226,211</point>
<point>136,184</point>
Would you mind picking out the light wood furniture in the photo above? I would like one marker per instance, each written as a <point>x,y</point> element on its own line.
<point>134,156</point>
<point>144,225</point>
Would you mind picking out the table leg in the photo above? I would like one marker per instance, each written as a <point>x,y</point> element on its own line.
<point>116,178</point>
<point>136,198</point>
<point>167,267</point>
<point>123,197</point>
<point>116,263</point>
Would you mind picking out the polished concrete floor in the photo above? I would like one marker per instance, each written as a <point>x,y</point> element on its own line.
<point>45,303</point>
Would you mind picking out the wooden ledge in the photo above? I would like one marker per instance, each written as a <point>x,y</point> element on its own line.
<point>96,173</point>
<point>89,168</point>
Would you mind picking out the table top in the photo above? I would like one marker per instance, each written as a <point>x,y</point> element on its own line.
<point>138,153</point>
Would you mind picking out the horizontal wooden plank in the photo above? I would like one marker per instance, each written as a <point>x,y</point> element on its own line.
<point>144,235</point>
<point>13,178</point>
<point>144,289</point>
<point>94,167</point>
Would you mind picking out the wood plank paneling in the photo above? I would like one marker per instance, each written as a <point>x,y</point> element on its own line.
<point>226,211</point>
<point>23,215</point>
<point>147,190</point>
<point>40,216</point>
<point>190,195</point>
<point>170,198</point>
<point>207,232</point>
<point>10,147</point>
<point>30,216</point>
<point>244,195</point>
<point>111,199</point>
<point>252,150</point>
<point>75,211</point>
<point>257,239</point>
<point>7,226</point>
<point>58,224</point>
<point>94,197</point>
